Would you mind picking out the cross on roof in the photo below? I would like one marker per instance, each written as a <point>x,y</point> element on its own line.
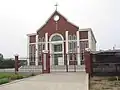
<point>56,6</point>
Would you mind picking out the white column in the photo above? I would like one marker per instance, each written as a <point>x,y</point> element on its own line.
<point>78,48</point>
<point>90,39</point>
<point>28,43</point>
<point>46,41</point>
<point>66,44</point>
<point>36,61</point>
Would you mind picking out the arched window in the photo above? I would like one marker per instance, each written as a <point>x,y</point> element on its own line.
<point>74,37</point>
<point>43,39</point>
<point>70,37</point>
<point>70,46</point>
<point>56,38</point>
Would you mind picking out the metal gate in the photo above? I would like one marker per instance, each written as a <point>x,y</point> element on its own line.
<point>60,63</point>
<point>52,63</point>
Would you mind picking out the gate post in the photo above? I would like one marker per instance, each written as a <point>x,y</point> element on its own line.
<point>45,62</point>
<point>66,62</point>
<point>88,62</point>
<point>16,64</point>
<point>74,62</point>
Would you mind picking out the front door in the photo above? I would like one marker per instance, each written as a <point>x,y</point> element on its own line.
<point>58,55</point>
<point>58,59</point>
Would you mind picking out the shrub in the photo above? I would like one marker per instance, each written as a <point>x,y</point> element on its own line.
<point>14,77</point>
<point>4,80</point>
<point>19,76</point>
<point>7,64</point>
<point>33,74</point>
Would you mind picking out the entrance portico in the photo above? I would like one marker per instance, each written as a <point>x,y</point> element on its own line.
<point>56,43</point>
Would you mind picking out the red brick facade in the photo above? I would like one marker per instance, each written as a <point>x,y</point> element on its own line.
<point>60,27</point>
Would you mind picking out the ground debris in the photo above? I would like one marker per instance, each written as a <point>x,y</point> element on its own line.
<point>104,83</point>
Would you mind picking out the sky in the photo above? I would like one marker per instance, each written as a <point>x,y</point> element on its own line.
<point>21,17</point>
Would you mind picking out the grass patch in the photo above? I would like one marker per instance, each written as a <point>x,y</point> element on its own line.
<point>4,80</point>
<point>15,76</point>
<point>7,77</point>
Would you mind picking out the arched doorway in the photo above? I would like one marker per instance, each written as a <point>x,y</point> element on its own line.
<point>56,49</point>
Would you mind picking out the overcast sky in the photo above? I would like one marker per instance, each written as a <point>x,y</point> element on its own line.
<point>20,17</point>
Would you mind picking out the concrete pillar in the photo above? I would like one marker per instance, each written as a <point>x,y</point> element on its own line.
<point>66,36</point>
<point>78,48</point>
<point>36,61</point>
<point>28,46</point>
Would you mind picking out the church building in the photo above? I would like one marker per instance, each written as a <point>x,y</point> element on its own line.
<point>63,41</point>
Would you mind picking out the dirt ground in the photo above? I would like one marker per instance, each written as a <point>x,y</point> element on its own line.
<point>104,83</point>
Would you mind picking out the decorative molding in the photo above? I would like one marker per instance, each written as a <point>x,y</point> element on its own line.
<point>54,35</point>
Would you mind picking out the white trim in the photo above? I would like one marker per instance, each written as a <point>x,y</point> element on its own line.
<point>46,21</point>
<point>85,29</point>
<point>46,41</point>
<point>78,47</point>
<point>44,60</point>
<point>66,44</point>
<point>56,42</point>
<point>61,41</point>
<point>83,40</point>
<point>36,61</point>
<point>89,39</point>
<point>56,34</point>
<point>66,35</point>
<point>32,43</point>
<point>28,60</point>
<point>87,81</point>
<point>31,34</point>
<point>68,20</point>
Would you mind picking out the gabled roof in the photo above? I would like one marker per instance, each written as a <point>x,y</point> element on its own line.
<point>56,12</point>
